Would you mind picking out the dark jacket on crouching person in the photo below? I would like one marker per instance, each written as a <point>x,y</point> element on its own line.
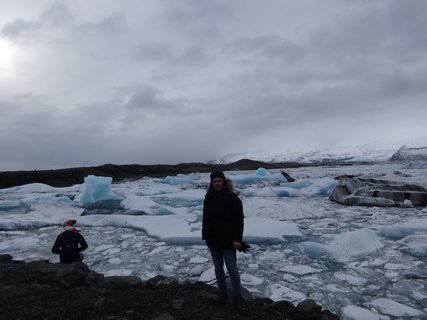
<point>69,244</point>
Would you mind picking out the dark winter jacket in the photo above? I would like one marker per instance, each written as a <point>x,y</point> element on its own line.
<point>76,238</point>
<point>222,219</point>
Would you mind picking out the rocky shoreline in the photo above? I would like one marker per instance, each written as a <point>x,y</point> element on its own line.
<point>43,290</point>
<point>72,176</point>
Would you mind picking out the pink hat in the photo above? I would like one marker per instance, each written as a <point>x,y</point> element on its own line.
<point>70,222</point>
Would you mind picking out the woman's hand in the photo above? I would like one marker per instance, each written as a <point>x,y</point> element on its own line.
<point>236,244</point>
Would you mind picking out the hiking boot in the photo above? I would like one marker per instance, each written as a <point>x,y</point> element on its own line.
<point>221,298</point>
<point>238,302</point>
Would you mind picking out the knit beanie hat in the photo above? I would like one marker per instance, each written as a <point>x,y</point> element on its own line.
<point>217,174</point>
<point>70,223</point>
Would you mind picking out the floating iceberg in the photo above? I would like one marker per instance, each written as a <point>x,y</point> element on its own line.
<point>97,193</point>
<point>178,180</point>
<point>261,230</point>
<point>344,247</point>
<point>395,309</point>
<point>14,205</point>
<point>399,231</point>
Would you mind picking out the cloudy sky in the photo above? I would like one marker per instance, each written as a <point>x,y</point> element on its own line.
<point>165,81</point>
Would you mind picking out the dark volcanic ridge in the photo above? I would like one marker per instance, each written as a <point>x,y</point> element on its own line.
<point>119,173</point>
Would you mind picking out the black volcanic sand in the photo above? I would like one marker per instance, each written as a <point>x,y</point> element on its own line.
<point>42,290</point>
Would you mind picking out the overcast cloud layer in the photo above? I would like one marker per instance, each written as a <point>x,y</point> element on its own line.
<point>165,81</point>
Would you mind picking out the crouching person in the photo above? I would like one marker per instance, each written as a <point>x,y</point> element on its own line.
<point>69,244</point>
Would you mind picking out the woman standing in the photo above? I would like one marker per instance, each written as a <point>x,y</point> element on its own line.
<point>223,230</point>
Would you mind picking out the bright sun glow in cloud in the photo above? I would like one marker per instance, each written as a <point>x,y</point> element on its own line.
<point>6,55</point>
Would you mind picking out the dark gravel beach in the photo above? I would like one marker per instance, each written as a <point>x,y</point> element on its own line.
<point>42,290</point>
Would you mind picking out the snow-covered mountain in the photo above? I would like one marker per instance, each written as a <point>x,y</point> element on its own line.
<point>356,154</point>
<point>410,154</point>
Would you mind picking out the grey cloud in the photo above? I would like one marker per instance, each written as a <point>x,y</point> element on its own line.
<point>193,13</point>
<point>107,26</point>
<point>266,47</point>
<point>198,20</point>
<point>58,14</point>
<point>165,53</point>
<point>391,30</point>
<point>151,99</point>
<point>126,109</point>
<point>394,84</point>
<point>97,117</point>
<point>341,102</point>
<point>156,51</point>
<point>30,98</point>
<point>17,27</point>
<point>406,20</point>
<point>194,56</point>
<point>34,116</point>
<point>45,138</point>
<point>22,109</point>
<point>147,98</point>
<point>171,81</point>
<point>344,66</point>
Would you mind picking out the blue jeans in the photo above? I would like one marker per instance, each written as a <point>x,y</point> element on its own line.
<point>219,256</point>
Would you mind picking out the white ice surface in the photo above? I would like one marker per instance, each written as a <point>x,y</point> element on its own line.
<point>299,269</point>
<point>357,313</point>
<point>280,292</point>
<point>370,261</point>
<point>395,309</point>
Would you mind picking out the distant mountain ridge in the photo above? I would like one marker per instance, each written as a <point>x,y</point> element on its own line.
<point>316,157</point>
